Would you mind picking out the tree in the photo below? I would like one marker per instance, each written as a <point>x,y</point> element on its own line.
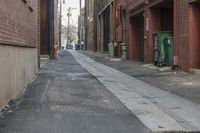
<point>73,31</point>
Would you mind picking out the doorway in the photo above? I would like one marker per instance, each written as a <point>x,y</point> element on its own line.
<point>194,35</point>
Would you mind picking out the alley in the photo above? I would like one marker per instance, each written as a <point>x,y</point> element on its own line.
<point>159,110</point>
<point>99,66</point>
<point>66,98</point>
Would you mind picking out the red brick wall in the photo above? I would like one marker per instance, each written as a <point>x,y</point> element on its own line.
<point>19,25</point>
<point>194,34</point>
<point>112,27</point>
<point>90,24</point>
<point>180,27</point>
<point>56,23</point>
<point>131,4</point>
<point>181,34</point>
<point>38,34</point>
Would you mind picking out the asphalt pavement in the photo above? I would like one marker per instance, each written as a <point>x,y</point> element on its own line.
<point>66,98</point>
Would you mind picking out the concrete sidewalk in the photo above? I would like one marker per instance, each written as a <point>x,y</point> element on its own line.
<point>159,110</point>
<point>179,83</point>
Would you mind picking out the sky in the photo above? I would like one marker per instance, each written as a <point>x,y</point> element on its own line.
<point>75,12</point>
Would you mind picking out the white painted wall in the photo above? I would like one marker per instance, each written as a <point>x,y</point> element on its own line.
<point>18,68</point>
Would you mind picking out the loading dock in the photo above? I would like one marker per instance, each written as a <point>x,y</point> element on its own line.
<point>136,37</point>
<point>182,17</point>
<point>161,15</point>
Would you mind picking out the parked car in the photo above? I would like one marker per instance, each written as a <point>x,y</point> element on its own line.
<point>78,47</point>
<point>69,46</point>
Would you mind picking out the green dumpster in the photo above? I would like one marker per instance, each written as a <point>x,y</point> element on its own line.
<point>169,44</point>
<point>111,49</point>
<point>159,47</point>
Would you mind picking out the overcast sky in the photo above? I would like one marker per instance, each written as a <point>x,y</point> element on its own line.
<point>75,12</point>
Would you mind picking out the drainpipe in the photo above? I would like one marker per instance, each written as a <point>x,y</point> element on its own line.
<point>147,33</point>
<point>176,33</point>
<point>95,25</point>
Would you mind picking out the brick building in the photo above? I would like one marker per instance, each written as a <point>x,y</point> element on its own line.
<point>106,24</point>
<point>144,17</point>
<point>91,7</point>
<point>49,27</point>
<point>27,28</point>
<point>120,26</point>
<point>120,21</point>
<point>193,34</point>
<point>111,24</point>
<point>19,39</point>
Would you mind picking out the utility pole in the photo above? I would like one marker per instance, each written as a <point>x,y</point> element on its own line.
<point>68,29</point>
<point>60,26</point>
<point>81,28</point>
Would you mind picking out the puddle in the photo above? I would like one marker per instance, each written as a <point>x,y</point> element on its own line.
<point>191,83</point>
<point>74,76</point>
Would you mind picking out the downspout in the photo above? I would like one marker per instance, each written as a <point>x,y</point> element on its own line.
<point>127,30</point>
<point>176,33</point>
<point>39,32</point>
<point>95,25</point>
<point>49,27</point>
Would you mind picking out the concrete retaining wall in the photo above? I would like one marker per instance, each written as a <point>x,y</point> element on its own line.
<point>18,68</point>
